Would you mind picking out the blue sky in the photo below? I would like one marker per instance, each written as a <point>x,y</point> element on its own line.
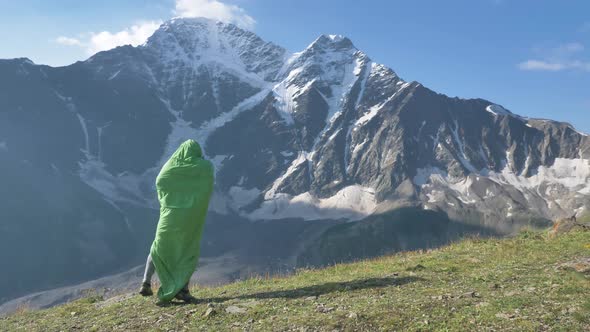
<point>531,56</point>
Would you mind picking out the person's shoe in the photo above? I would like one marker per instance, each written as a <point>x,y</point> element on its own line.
<point>185,296</point>
<point>146,289</point>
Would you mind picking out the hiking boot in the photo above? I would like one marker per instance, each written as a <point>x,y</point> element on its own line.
<point>146,289</point>
<point>185,296</point>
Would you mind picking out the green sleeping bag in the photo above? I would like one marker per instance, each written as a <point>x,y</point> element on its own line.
<point>184,187</point>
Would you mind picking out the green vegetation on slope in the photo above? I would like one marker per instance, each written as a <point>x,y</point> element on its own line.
<point>402,229</point>
<point>585,218</point>
<point>525,283</point>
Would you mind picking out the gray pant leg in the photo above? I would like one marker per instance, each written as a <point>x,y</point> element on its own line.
<point>150,269</point>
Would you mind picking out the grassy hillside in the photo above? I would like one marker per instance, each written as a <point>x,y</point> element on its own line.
<point>402,229</point>
<point>525,283</point>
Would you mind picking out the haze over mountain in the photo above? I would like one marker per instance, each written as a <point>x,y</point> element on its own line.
<point>324,135</point>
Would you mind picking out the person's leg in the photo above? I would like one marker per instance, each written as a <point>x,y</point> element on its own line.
<point>150,269</point>
<point>146,285</point>
<point>185,295</point>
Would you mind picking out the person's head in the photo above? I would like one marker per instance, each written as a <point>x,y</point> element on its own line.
<point>188,150</point>
<point>193,148</point>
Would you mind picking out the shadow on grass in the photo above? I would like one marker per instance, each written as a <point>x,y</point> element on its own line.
<point>314,290</point>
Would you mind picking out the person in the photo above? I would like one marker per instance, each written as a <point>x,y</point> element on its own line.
<point>184,186</point>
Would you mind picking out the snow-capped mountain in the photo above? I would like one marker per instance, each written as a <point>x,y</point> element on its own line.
<point>321,134</point>
<point>337,135</point>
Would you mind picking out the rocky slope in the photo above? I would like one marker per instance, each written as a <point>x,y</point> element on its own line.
<point>322,134</point>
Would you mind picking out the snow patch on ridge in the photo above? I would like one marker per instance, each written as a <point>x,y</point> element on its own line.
<point>497,110</point>
<point>573,174</point>
<point>210,126</point>
<point>374,110</point>
<point>336,38</point>
<point>431,177</point>
<point>72,108</point>
<point>181,131</point>
<point>285,94</point>
<point>335,134</point>
<point>85,132</point>
<point>114,75</point>
<point>241,197</point>
<point>359,146</point>
<point>463,156</point>
<point>546,183</point>
<point>287,153</point>
<point>339,91</point>
<point>217,162</point>
<point>352,203</point>
<point>369,115</point>
<point>577,131</point>
<point>301,158</point>
<point>99,131</point>
<point>125,187</point>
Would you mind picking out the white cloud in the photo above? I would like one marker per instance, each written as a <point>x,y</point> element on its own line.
<point>541,65</point>
<point>68,41</point>
<point>566,50</point>
<point>138,33</point>
<point>95,42</point>
<point>135,35</point>
<point>216,10</point>
<point>583,65</point>
<point>562,57</point>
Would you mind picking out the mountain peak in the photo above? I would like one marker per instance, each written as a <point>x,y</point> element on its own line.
<point>183,29</point>
<point>206,29</point>
<point>335,42</point>
<point>184,20</point>
<point>194,23</point>
<point>19,61</point>
<point>194,42</point>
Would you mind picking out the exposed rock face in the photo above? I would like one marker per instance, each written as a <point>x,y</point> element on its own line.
<point>325,133</point>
